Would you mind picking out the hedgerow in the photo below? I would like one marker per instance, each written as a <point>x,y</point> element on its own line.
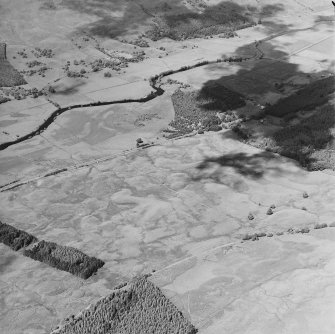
<point>47,53</point>
<point>20,93</point>
<point>15,238</point>
<point>65,258</point>
<point>140,307</point>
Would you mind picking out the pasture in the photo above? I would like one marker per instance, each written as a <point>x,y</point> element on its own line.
<point>230,232</point>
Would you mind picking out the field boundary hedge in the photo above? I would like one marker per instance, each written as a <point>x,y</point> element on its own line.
<point>15,238</point>
<point>65,258</point>
<point>60,257</point>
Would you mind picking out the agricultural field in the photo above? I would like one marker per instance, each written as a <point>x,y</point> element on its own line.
<point>167,167</point>
<point>148,210</point>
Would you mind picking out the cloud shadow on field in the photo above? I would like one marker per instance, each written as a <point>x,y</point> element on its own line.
<point>269,25</point>
<point>116,18</point>
<point>251,166</point>
<point>302,122</point>
<point>258,75</point>
<point>62,89</point>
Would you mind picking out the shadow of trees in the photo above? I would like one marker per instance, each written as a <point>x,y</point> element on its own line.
<point>74,88</point>
<point>171,18</point>
<point>255,78</point>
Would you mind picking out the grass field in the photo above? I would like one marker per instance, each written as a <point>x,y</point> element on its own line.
<point>163,209</point>
<point>146,210</point>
